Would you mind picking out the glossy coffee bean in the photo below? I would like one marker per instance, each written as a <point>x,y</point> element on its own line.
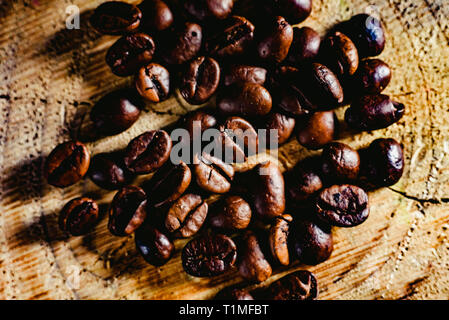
<point>322,86</point>
<point>67,164</point>
<point>299,285</point>
<point>154,246</point>
<point>108,171</point>
<point>79,216</point>
<point>373,76</point>
<point>241,74</point>
<point>212,174</point>
<point>275,40</point>
<point>303,182</point>
<point>317,130</point>
<point>186,216</point>
<point>129,53</point>
<point>116,112</point>
<point>206,9</point>
<point>181,44</point>
<point>157,15</point>
<point>127,211</point>
<point>232,37</point>
<point>283,126</point>
<point>305,46</point>
<point>116,17</point>
<point>342,205</point>
<point>148,152</point>
<point>209,255</point>
<point>340,162</point>
<point>278,239</point>
<point>234,294</point>
<point>153,82</point>
<point>295,11</point>
<point>200,80</point>
<point>372,112</point>
<point>231,213</point>
<point>253,264</point>
<point>340,54</point>
<point>198,121</point>
<point>249,99</point>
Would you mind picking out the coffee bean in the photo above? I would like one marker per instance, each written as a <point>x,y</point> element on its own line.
<point>200,80</point>
<point>157,15</point>
<point>316,131</point>
<point>128,211</point>
<point>305,46</point>
<point>206,9</point>
<point>249,99</point>
<point>209,255</point>
<point>153,82</point>
<point>342,205</point>
<point>322,86</point>
<point>281,127</point>
<point>372,112</point>
<point>295,11</point>
<point>212,174</point>
<point>373,76</point>
<point>231,213</point>
<point>154,246</point>
<point>67,164</point>
<point>275,41</point>
<point>231,293</point>
<point>108,171</point>
<point>241,74</point>
<point>340,162</point>
<point>148,152</point>
<point>181,44</point>
<point>116,112</point>
<point>116,17</point>
<point>199,121</point>
<point>79,216</point>
<point>299,285</point>
<point>278,239</point>
<point>129,53</point>
<point>303,182</point>
<point>253,265</point>
<point>340,54</point>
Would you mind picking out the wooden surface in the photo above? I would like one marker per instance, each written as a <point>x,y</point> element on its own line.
<point>50,77</point>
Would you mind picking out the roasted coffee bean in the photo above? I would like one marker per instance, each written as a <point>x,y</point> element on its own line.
<point>282,125</point>
<point>249,99</point>
<point>275,41</point>
<point>295,11</point>
<point>373,76</point>
<point>148,152</point>
<point>241,74</point>
<point>304,181</point>
<point>128,211</point>
<point>153,82</point>
<point>340,54</point>
<point>233,37</point>
<point>317,130</point>
<point>268,190</point>
<point>154,246</point>
<point>197,122</point>
<point>116,112</point>
<point>234,294</point>
<point>340,162</point>
<point>209,255</point>
<point>200,80</point>
<point>231,213</point>
<point>186,216</point>
<point>278,239</point>
<point>108,171</point>
<point>182,44</point>
<point>67,164</point>
<point>206,9</point>
<point>157,15</point>
<point>383,162</point>
<point>129,53</point>
<point>253,265</point>
<point>116,17</point>
<point>299,285</point>
<point>212,174</point>
<point>372,112</point>
<point>79,216</point>
<point>305,46</point>
<point>342,205</point>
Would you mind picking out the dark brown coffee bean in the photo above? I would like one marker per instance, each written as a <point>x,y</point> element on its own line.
<point>116,112</point>
<point>299,285</point>
<point>322,86</point>
<point>206,9</point>
<point>129,53</point>
<point>148,152</point>
<point>198,121</point>
<point>278,239</point>
<point>116,17</point>
<point>373,76</point>
<point>182,44</point>
<point>342,205</point>
<point>317,130</point>
<point>79,216</point>
<point>275,41</point>
<point>108,171</point>
<point>249,99</point>
<point>212,174</point>
<point>253,265</point>
<point>234,294</point>
<point>153,82</point>
<point>67,164</point>
<point>154,246</point>
<point>231,213</point>
<point>304,181</point>
<point>372,112</point>
<point>241,74</point>
<point>128,211</point>
<point>340,162</point>
<point>305,46</point>
<point>279,128</point>
<point>200,80</point>
<point>209,255</point>
<point>340,54</point>
<point>157,15</point>
<point>295,11</point>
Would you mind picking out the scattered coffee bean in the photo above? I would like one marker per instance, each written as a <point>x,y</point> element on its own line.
<point>275,41</point>
<point>239,139</point>
<point>253,265</point>
<point>283,126</point>
<point>295,11</point>
<point>157,15</point>
<point>304,181</point>
<point>205,9</point>
<point>116,17</point>
<point>278,239</point>
<point>317,130</point>
<point>249,99</point>
<point>154,246</point>
<point>79,216</point>
<point>231,213</point>
<point>108,171</point>
<point>305,46</point>
<point>373,76</point>
<point>340,162</point>
<point>181,44</point>
<point>199,121</point>
<point>212,174</point>
<point>340,54</point>
<point>234,294</point>
<point>241,74</point>
<point>299,285</point>
<point>153,82</point>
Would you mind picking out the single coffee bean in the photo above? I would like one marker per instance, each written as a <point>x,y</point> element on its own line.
<point>181,44</point>
<point>278,239</point>
<point>249,99</point>
<point>340,162</point>
<point>79,216</point>
<point>231,293</point>
<point>209,255</point>
<point>206,9</point>
<point>304,181</point>
<point>373,76</point>
<point>232,213</point>
<point>128,211</point>
<point>317,130</point>
<point>157,15</point>
<point>67,164</point>
<point>198,121</point>
<point>153,82</point>
<point>116,112</point>
<point>305,46</point>
<point>232,37</point>
<point>340,54</point>
<point>372,112</point>
<point>212,174</point>
<point>108,171</point>
<point>299,285</point>
<point>154,246</point>
<point>129,53</point>
<point>275,41</point>
<point>295,11</point>
<point>241,74</point>
<point>148,152</point>
<point>279,127</point>
<point>342,205</point>
<point>200,80</point>
<point>116,17</point>
<point>253,265</point>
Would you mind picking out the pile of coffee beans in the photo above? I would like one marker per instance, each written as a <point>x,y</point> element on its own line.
<point>266,73</point>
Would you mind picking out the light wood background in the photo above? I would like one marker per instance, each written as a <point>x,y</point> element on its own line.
<point>50,77</point>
